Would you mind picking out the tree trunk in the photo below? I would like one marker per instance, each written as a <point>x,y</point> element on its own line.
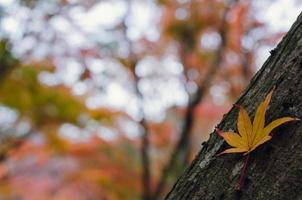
<point>275,169</point>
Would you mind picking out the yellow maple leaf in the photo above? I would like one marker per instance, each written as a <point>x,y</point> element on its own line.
<point>251,135</point>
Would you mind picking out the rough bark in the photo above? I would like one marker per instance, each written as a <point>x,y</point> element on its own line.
<point>275,169</point>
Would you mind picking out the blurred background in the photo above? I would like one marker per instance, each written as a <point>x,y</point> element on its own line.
<point>111,99</point>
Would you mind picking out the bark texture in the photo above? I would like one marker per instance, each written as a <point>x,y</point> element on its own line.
<point>275,169</point>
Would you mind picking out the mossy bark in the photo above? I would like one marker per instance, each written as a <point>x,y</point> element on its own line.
<point>275,169</point>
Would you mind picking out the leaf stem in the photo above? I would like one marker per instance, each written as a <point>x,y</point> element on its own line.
<point>243,173</point>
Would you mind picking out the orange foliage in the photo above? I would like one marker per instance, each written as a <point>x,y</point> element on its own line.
<point>43,163</point>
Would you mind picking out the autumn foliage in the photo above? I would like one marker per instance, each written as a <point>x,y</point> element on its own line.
<point>117,109</point>
<point>251,135</point>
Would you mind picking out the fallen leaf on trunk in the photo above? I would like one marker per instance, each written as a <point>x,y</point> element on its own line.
<point>251,135</point>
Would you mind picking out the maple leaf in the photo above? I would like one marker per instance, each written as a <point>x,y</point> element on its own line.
<point>251,135</point>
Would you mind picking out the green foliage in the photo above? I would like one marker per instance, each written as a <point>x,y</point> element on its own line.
<point>7,61</point>
<point>42,104</point>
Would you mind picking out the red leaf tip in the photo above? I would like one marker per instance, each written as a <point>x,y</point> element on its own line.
<point>219,132</point>
<point>237,105</point>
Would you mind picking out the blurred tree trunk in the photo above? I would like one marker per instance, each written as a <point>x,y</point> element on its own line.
<point>275,168</point>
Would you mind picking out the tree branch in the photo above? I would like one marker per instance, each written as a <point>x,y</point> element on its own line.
<point>182,146</point>
<point>145,145</point>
